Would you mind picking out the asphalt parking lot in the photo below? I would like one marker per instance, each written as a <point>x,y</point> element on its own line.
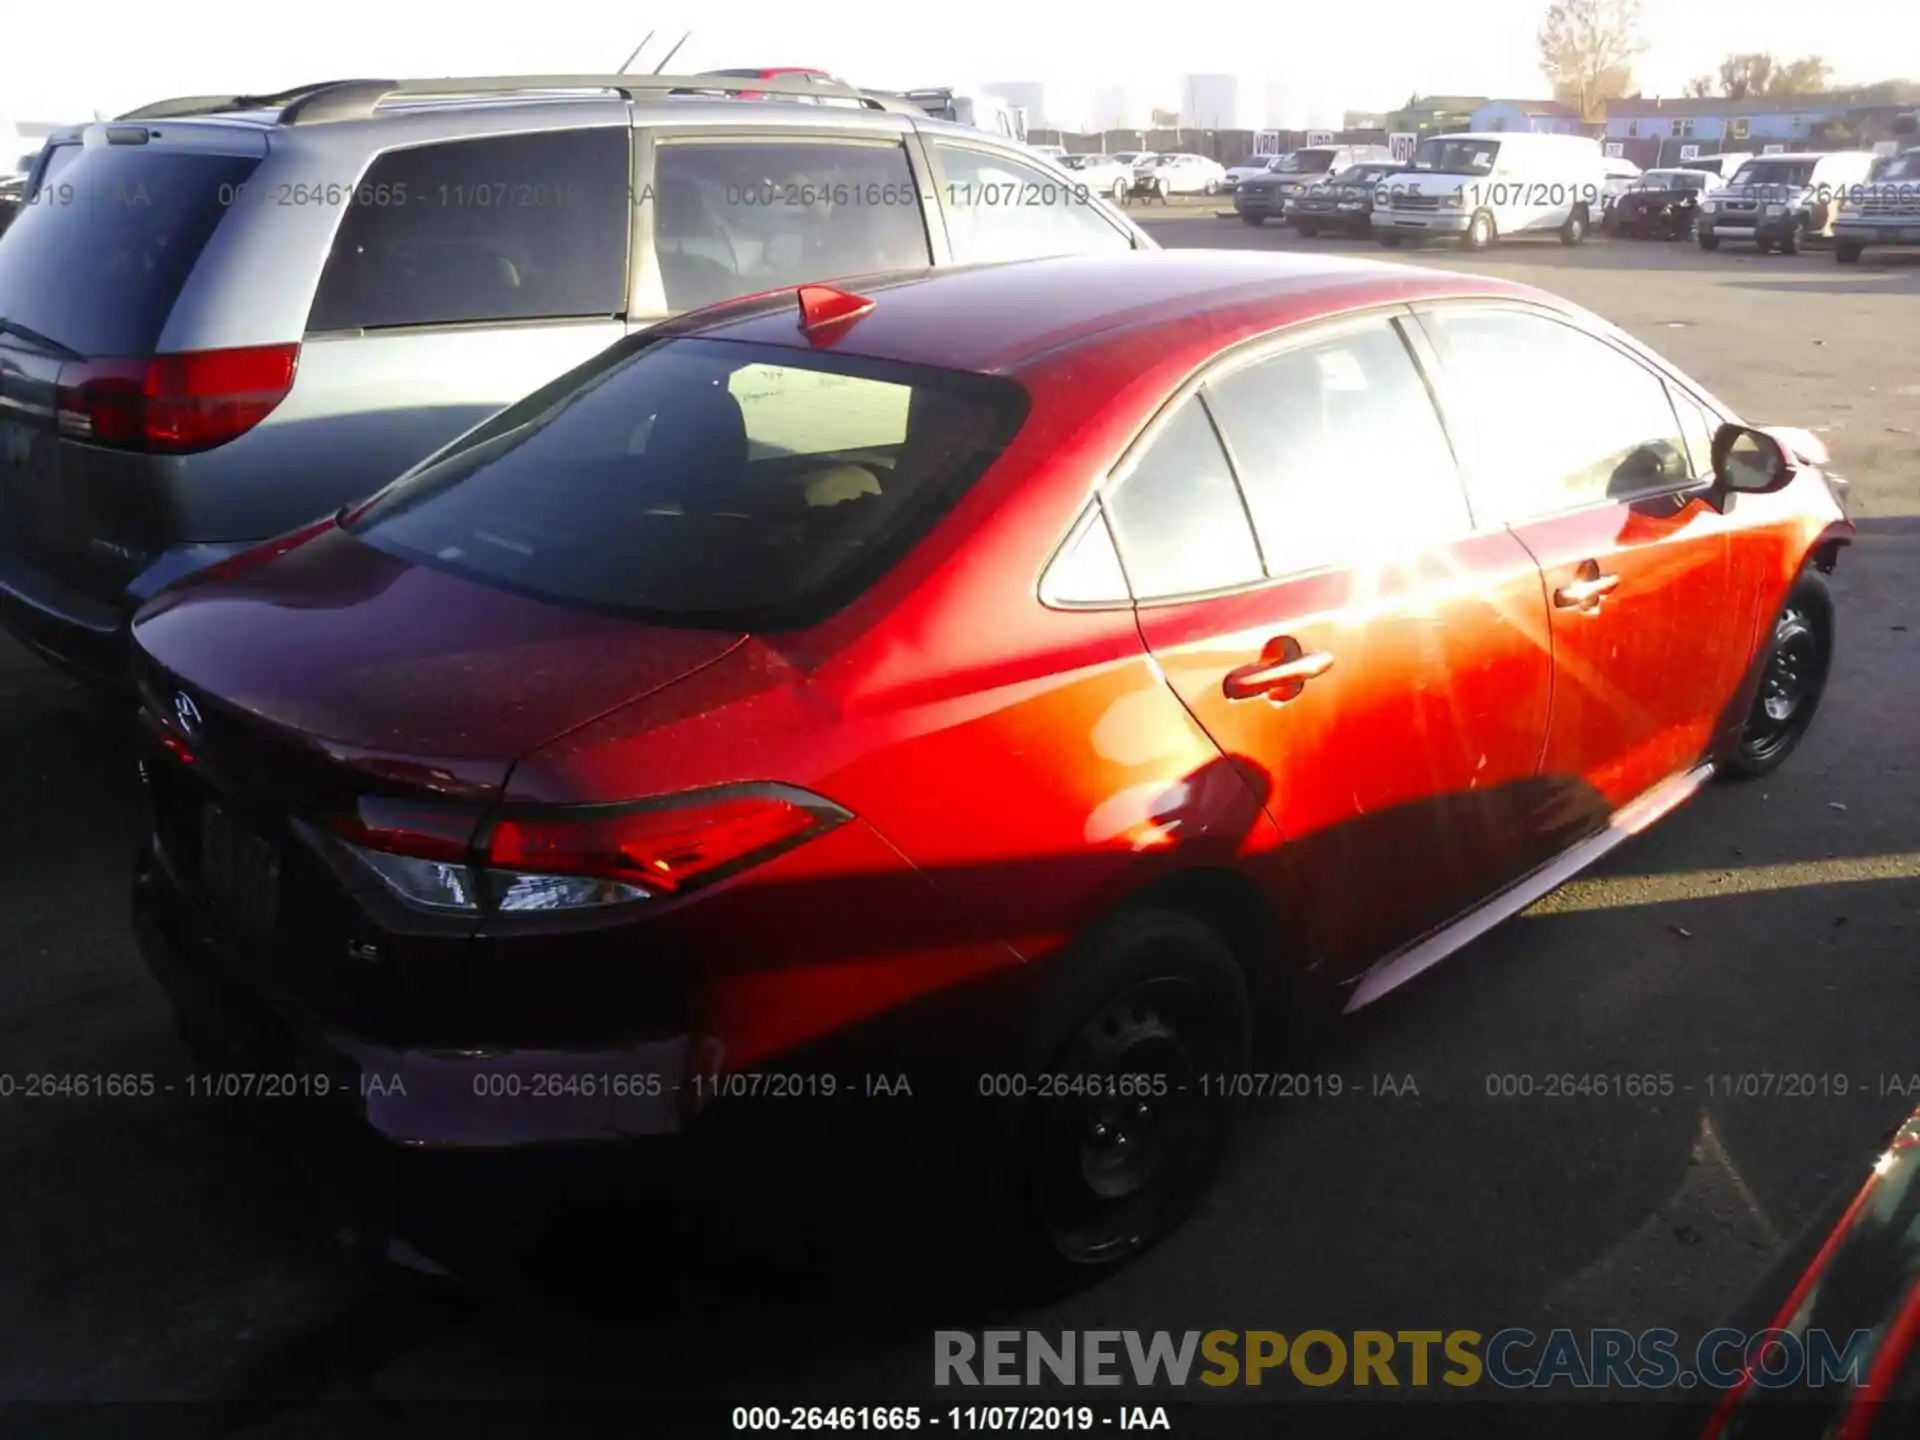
<point>148,1252</point>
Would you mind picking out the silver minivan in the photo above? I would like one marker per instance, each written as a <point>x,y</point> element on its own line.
<point>221,317</point>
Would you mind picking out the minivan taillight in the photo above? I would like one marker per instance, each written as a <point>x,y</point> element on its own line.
<point>560,859</point>
<point>174,404</point>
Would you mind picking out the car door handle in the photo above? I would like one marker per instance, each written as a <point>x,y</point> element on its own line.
<point>1587,590</point>
<point>1263,677</point>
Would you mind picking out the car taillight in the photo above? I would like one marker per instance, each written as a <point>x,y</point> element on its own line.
<point>174,404</point>
<point>576,858</point>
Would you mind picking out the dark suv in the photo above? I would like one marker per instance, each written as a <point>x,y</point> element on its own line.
<point>221,317</point>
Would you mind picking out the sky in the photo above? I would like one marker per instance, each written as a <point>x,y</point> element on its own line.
<point>63,62</point>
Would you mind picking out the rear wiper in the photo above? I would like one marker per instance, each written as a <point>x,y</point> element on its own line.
<point>35,338</point>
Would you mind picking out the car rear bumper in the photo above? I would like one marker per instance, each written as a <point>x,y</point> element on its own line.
<point>443,1099</point>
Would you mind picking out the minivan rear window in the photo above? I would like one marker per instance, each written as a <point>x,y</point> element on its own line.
<point>101,250</point>
<point>703,482</point>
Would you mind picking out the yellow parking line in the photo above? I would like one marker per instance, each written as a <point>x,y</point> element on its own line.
<point>1620,892</point>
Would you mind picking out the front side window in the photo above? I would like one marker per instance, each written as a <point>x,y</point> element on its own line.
<point>505,227</point>
<point>1548,418</point>
<point>999,208</point>
<point>703,481</point>
<point>734,217</point>
<point>1340,452</point>
<point>1178,517</point>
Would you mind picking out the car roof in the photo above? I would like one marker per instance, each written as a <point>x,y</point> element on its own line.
<point>1016,317</point>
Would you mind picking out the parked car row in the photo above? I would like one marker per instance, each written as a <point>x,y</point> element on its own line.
<point>1479,188</point>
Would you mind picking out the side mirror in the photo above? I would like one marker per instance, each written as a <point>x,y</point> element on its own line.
<point>1749,461</point>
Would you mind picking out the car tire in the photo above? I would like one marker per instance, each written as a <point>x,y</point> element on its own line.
<point>1246,219</point>
<point>1306,229</point>
<point>1390,239</point>
<point>1093,1181</point>
<point>1793,677</point>
<point>1790,242</point>
<point>1708,242</point>
<point>1119,192</point>
<point>1847,252</point>
<point>1213,188</point>
<point>1574,232</point>
<point>1480,231</point>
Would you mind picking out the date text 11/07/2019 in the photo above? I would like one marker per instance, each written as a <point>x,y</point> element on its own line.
<point>959,1418</point>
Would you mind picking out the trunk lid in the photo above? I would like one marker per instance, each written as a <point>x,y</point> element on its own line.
<point>393,667</point>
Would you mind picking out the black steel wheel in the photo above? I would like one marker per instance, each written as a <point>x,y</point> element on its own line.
<point>1126,1125</point>
<point>1792,680</point>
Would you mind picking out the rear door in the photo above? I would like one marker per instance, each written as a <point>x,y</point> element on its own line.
<point>471,272</point>
<point>1575,444</point>
<point>1309,577</point>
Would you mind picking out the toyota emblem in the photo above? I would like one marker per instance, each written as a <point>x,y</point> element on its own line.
<point>187,713</point>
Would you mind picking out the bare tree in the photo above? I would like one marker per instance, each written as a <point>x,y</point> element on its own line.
<point>1587,49</point>
<point>1755,77</point>
<point>1699,87</point>
<point>1745,77</point>
<point>1809,75</point>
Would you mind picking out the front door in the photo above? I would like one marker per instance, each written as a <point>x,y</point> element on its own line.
<point>1308,579</point>
<point>1575,444</point>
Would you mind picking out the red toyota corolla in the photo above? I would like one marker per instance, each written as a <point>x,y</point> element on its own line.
<point>1025,685</point>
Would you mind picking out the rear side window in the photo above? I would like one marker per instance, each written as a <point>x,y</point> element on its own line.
<point>1178,516</point>
<point>704,481</point>
<point>735,217</point>
<point>1340,451</point>
<point>97,258</point>
<point>509,227</point>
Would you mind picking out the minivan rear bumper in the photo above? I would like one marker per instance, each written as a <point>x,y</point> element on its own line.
<point>86,633</point>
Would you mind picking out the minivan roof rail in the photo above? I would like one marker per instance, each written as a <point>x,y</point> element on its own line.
<point>358,99</point>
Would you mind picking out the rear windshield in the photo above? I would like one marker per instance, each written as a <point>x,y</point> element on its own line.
<point>703,482</point>
<point>100,252</point>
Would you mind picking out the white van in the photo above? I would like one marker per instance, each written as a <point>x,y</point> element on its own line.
<point>1481,187</point>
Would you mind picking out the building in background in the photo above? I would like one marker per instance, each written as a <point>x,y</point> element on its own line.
<point>1041,101</point>
<point>1363,120</point>
<point>1790,119</point>
<point>1436,114</point>
<point>1548,116</point>
<point>1221,102</point>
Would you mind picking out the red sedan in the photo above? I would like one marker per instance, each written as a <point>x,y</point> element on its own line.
<point>1031,684</point>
